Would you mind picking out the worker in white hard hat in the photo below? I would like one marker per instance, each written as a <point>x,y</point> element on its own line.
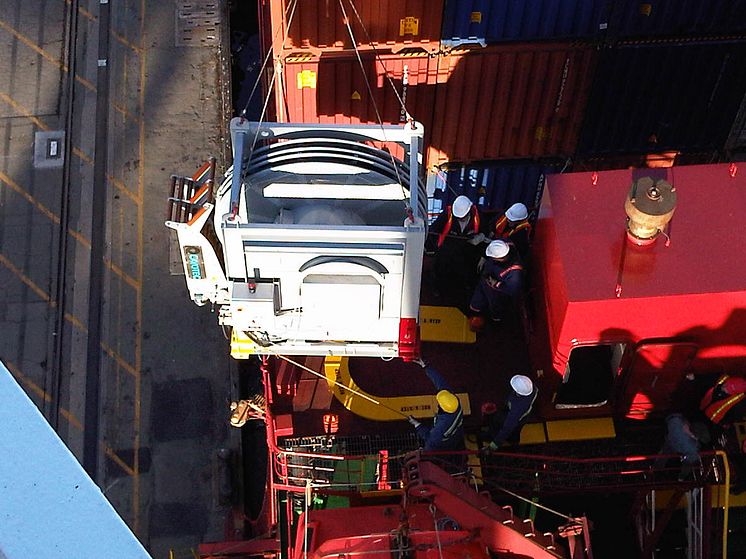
<point>457,240</point>
<point>499,286</point>
<point>447,432</point>
<point>513,226</point>
<point>507,426</point>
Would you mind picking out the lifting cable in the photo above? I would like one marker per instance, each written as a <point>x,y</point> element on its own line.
<point>526,500</point>
<point>291,9</point>
<point>373,100</point>
<point>409,118</point>
<point>337,383</point>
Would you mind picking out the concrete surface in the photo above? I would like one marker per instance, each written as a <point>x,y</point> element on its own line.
<point>165,371</point>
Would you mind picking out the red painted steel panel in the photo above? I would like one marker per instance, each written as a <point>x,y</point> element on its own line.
<point>511,101</point>
<point>390,25</point>
<point>692,290</point>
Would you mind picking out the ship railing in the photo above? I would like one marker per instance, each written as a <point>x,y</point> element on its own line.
<point>525,474</point>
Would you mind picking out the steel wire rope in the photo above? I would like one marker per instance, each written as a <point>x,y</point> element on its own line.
<point>290,8</point>
<point>409,118</point>
<point>337,383</point>
<point>431,508</point>
<point>524,499</point>
<point>375,105</point>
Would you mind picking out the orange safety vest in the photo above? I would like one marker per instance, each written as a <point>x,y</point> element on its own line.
<point>716,410</point>
<point>502,223</point>
<point>449,223</point>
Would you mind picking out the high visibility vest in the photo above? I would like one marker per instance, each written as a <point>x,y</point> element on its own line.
<point>716,410</point>
<point>449,223</point>
<point>501,228</point>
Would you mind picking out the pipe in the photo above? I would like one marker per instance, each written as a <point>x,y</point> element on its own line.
<point>726,504</point>
<point>171,198</point>
<point>238,148</point>
<point>211,181</point>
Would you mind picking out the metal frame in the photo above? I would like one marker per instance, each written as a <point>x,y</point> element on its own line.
<point>409,135</point>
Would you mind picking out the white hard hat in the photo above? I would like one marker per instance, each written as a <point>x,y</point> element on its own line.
<point>461,206</point>
<point>516,212</point>
<point>497,249</point>
<point>522,385</point>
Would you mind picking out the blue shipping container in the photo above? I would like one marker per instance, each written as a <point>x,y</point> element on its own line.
<point>686,95</point>
<point>494,187</point>
<point>494,21</point>
<point>655,18</point>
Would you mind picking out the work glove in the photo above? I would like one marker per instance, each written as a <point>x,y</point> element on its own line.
<point>413,421</point>
<point>420,361</point>
<point>477,239</point>
<point>487,449</point>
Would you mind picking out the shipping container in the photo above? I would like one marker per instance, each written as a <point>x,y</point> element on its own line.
<point>686,96</point>
<point>510,102</point>
<point>487,21</point>
<point>318,26</point>
<point>333,89</point>
<point>493,186</point>
<point>675,18</point>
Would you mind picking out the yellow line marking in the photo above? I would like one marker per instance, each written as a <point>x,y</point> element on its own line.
<point>119,360</point>
<point>29,198</point>
<point>126,43</point>
<point>67,415</point>
<point>24,112</point>
<point>88,15</point>
<point>121,463</point>
<point>62,66</point>
<point>76,151</point>
<point>40,51</point>
<point>129,280</point>
<point>127,115</point>
<point>39,391</point>
<point>27,281</point>
<point>44,296</point>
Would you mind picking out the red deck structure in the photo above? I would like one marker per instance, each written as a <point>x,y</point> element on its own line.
<point>660,311</point>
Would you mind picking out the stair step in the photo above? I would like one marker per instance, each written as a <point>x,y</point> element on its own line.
<point>528,525</point>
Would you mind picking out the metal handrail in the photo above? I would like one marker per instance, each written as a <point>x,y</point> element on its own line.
<point>542,465</point>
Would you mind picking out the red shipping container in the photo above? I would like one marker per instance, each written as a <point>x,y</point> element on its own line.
<point>333,90</point>
<point>503,102</point>
<point>512,101</point>
<point>318,26</point>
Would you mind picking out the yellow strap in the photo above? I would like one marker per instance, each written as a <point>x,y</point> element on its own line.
<point>424,406</point>
<point>445,324</point>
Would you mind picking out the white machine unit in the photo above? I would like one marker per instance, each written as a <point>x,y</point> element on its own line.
<point>322,233</point>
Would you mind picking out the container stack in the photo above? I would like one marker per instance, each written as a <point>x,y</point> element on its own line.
<point>517,89</point>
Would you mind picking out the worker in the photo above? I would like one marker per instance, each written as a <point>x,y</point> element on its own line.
<point>456,240</point>
<point>499,286</point>
<point>447,432</point>
<point>726,400</point>
<point>684,439</point>
<point>513,226</point>
<point>507,426</point>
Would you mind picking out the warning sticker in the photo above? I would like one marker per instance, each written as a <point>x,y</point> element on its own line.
<point>355,96</point>
<point>476,17</point>
<point>409,26</point>
<point>307,78</point>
